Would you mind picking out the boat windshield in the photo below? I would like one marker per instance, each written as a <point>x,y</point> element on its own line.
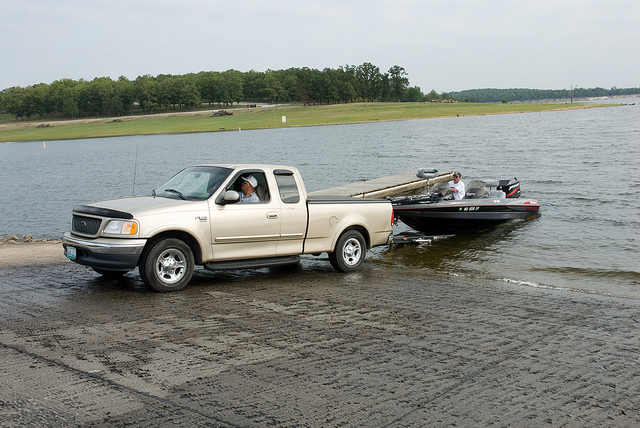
<point>440,186</point>
<point>194,183</point>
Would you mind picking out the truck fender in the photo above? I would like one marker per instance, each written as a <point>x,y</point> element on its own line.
<point>201,253</point>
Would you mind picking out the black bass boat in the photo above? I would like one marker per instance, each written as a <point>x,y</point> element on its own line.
<point>437,212</point>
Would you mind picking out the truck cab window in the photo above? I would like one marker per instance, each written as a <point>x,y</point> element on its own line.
<point>288,188</point>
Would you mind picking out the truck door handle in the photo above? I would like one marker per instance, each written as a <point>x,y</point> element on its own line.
<point>272,215</point>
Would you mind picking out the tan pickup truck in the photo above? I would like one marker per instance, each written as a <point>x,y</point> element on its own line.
<point>198,218</point>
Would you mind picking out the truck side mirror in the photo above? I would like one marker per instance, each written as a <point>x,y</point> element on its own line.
<point>228,197</point>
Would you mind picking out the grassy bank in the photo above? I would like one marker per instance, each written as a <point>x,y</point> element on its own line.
<point>254,118</point>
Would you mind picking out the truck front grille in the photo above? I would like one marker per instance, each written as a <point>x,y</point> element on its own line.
<point>85,225</point>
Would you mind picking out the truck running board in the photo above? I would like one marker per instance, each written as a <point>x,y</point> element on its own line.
<point>252,263</point>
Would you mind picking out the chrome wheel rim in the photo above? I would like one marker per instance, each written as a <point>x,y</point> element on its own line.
<point>171,266</point>
<point>351,252</point>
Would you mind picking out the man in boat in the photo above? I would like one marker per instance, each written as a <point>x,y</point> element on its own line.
<point>457,186</point>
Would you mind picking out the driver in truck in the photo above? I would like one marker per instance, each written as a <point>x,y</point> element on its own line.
<point>248,188</point>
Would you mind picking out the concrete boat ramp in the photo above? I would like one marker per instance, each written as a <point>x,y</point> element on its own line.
<point>394,185</point>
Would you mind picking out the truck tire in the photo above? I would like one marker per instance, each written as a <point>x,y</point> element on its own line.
<point>349,253</point>
<point>167,265</point>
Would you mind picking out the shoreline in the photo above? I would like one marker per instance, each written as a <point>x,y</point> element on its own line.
<point>202,121</point>
<point>31,253</point>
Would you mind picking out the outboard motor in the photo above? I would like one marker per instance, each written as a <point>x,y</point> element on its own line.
<point>510,187</point>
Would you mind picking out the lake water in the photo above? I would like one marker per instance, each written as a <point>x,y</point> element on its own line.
<point>581,165</point>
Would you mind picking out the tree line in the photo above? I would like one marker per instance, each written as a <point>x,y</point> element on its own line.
<point>491,95</point>
<point>165,92</point>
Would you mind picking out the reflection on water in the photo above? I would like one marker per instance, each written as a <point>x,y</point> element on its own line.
<point>581,165</point>
<point>458,253</point>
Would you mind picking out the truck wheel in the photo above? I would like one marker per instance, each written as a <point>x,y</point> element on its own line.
<point>349,252</point>
<point>167,265</point>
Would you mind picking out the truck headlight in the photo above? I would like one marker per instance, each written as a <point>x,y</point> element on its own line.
<point>121,227</point>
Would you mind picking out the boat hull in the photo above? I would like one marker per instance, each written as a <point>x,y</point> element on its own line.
<point>450,217</point>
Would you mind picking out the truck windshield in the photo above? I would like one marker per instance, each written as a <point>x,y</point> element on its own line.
<point>194,183</point>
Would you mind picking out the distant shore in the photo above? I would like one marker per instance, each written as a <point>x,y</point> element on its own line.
<point>575,100</point>
<point>280,116</point>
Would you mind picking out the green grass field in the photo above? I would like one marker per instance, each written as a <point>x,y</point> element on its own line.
<point>255,118</point>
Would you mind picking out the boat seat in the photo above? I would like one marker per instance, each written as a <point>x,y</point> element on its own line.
<point>497,194</point>
<point>477,189</point>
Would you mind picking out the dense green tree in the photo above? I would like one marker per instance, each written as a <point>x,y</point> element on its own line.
<point>303,76</point>
<point>209,84</point>
<point>413,95</point>
<point>398,82</point>
<point>97,96</point>
<point>38,100</point>
<point>347,88</point>
<point>64,97</point>
<point>123,96</point>
<point>331,83</point>
<point>316,88</point>
<point>232,87</point>
<point>104,88</point>
<point>271,89</point>
<point>446,96</point>
<point>147,93</point>
<point>70,107</point>
<point>89,99</point>
<point>369,81</point>
<point>13,101</point>
<point>252,83</point>
<point>433,96</point>
<point>290,87</point>
<point>384,90</point>
<point>346,92</point>
<point>188,95</point>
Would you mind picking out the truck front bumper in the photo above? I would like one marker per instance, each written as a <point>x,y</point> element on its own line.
<point>103,253</point>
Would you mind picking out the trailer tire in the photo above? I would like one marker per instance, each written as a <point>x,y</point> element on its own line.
<point>349,253</point>
<point>167,265</point>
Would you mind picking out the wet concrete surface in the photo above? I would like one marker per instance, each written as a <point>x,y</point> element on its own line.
<point>308,346</point>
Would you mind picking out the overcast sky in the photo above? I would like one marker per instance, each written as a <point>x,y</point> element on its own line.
<point>446,45</point>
